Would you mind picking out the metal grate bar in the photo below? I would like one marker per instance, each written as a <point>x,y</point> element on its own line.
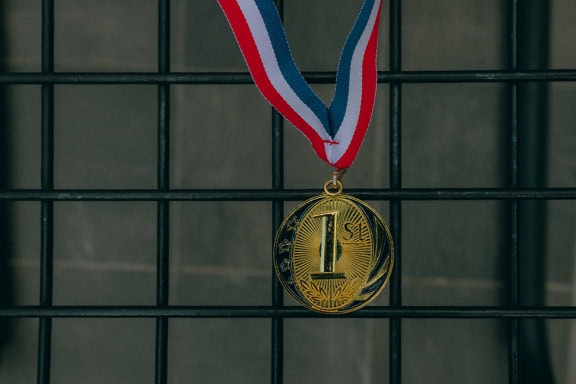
<point>47,183</point>
<point>277,331</point>
<point>285,312</point>
<point>288,194</point>
<point>163,183</point>
<point>395,107</point>
<point>512,19</point>
<point>207,78</point>
<point>533,33</point>
<point>277,217</point>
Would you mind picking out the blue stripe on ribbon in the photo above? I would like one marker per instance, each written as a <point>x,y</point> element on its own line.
<point>288,67</point>
<point>340,100</point>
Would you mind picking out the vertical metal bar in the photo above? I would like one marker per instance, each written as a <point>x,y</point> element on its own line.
<point>277,216</point>
<point>533,32</point>
<point>163,183</point>
<point>512,93</point>
<point>395,359</point>
<point>6,273</point>
<point>277,336</point>
<point>47,183</point>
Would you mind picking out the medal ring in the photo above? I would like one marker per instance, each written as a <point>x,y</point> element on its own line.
<point>333,188</point>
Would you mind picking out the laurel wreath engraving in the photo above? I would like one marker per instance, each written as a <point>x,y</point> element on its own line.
<point>343,294</point>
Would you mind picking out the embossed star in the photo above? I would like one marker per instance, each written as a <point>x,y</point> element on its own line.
<point>285,265</point>
<point>292,224</point>
<point>284,246</point>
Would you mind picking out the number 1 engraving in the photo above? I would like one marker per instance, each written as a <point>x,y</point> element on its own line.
<point>328,247</point>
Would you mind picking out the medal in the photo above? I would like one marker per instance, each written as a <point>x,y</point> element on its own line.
<point>333,253</point>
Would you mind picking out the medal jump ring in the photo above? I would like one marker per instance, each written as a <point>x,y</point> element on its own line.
<point>333,188</point>
<point>338,175</point>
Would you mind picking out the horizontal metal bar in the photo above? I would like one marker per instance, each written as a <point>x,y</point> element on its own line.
<point>153,78</point>
<point>431,312</point>
<point>312,77</point>
<point>285,195</point>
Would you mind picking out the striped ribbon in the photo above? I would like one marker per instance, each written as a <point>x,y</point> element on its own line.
<point>336,132</point>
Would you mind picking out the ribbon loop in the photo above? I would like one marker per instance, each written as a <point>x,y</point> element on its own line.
<point>336,132</point>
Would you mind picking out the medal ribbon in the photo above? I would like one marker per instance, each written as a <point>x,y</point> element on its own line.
<point>335,132</point>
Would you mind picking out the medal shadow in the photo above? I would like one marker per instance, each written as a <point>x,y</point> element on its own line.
<point>6,278</point>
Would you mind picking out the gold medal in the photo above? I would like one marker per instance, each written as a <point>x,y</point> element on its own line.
<point>333,253</point>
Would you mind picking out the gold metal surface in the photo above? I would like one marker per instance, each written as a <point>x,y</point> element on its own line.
<point>333,253</point>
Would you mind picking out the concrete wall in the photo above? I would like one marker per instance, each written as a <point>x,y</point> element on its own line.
<point>453,136</point>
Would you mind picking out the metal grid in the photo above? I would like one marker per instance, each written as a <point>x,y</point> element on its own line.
<point>518,193</point>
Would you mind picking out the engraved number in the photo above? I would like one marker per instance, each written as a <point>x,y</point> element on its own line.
<point>328,247</point>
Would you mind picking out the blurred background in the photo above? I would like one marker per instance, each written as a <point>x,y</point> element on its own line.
<point>454,135</point>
